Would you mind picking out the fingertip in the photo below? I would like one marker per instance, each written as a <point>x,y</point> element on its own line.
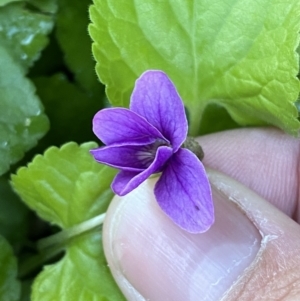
<point>163,262</point>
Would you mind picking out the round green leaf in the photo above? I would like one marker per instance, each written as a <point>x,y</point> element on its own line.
<point>81,275</point>
<point>65,186</point>
<point>239,54</point>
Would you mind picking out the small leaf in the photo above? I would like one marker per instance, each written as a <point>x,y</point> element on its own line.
<point>24,33</point>
<point>9,285</point>
<point>81,275</point>
<point>22,122</point>
<point>66,187</point>
<point>72,35</point>
<point>239,54</point>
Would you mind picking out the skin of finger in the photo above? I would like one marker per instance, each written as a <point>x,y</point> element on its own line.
<point>264,159</point>
<point>163,262</point>
<point>275,274</point>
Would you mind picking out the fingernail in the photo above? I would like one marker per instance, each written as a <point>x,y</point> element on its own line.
<point>163,262</point>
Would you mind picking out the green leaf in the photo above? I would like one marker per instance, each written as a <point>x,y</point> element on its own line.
<point>24,32</point>
<point>22,122</point>
<point>13,215</point>
<point>69,109</point>
<point>72,35</point>
<point>9,285</point>
<point>81,275</point>
<point>66,187</point>
<point>239,54</point>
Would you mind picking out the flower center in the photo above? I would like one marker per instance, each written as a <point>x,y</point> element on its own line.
<point>147,153</point>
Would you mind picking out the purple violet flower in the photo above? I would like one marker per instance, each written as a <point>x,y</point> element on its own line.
<point>147,139</point>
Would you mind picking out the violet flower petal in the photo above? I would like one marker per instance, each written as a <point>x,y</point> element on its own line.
<point>126,181</point>
<point>155,97</point>
<point>134,158</point>
<point>183,192</point>
<point>120,125</point>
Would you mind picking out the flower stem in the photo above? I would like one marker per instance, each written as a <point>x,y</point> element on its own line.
<point>53,245</point>
<point>65,235</point>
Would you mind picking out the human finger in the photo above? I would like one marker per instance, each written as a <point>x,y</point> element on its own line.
<point>250,253</point>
